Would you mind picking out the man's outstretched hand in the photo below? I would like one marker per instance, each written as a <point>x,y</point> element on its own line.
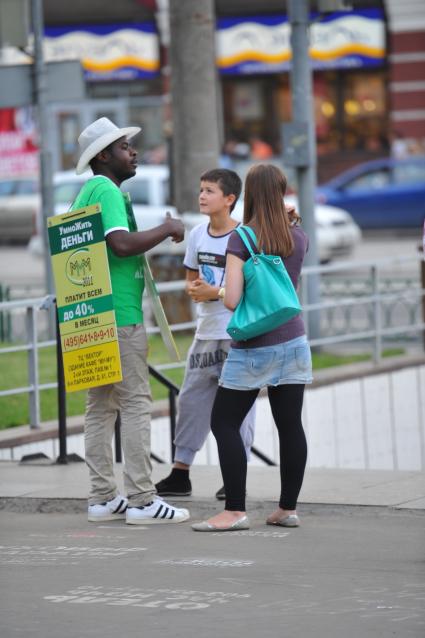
<point>175,228</point>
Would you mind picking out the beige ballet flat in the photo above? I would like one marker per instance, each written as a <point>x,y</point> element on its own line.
<point>204,526</point>
<point>291,520</point>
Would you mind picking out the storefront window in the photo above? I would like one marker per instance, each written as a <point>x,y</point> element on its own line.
<point>349,109</point>
<point>328,133</point>
<point>69,130</point>
<point>252,128</point>
<point>151,144</point>
<point>248,101</point>
<point>350,112</point>
<point>364,106</point>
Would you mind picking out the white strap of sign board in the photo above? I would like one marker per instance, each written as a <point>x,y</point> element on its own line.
<point>158,312</point>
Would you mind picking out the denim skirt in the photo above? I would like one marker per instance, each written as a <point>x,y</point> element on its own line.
<point>283,363</point>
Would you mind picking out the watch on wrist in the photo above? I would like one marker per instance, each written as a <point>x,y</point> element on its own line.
<point>221,292</point>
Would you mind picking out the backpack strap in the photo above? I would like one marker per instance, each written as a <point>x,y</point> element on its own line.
<point>246,233</point>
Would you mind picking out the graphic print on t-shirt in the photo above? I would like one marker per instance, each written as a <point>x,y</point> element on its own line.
<point>207,275</point>
<point>212,267</point>
<point>206,254</point>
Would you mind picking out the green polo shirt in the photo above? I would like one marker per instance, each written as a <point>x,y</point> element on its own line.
<point>126,272</point>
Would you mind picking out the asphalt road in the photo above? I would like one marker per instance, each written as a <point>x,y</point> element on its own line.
<point>346,572</point>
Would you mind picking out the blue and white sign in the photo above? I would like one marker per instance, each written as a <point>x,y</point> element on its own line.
<point>107,52</point>
<point>339,40</point>
<point>244,46</point>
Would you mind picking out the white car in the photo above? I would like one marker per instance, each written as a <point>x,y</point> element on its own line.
<point>337,233</point>
<point>148,191</point>
<point>18,203</point>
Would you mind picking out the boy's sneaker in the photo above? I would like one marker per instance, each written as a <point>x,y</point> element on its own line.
<point>158,511</point>
<point>108,511</point>
<point>174,485</point>
<point>221,494</point>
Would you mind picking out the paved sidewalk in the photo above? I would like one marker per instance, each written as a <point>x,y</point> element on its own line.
<point>26,487</point>
<point>347,571</point>
<point>352,569</point>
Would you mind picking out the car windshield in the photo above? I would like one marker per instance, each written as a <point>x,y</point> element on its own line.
<point>18,187</point>
<point>372,180</point>
<point>26,187</point>
<point>6,188</point>
<point>66,193</point>
<point>409,173</point>
<point>165,185</point>
<point>138,189</point>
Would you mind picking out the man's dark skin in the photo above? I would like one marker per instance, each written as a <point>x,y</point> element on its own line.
<point>118,162</point>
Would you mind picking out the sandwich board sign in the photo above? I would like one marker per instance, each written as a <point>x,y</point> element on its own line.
<point>86,315</point>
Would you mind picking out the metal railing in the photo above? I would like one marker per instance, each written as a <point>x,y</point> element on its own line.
<point>5,323</point>
<point>32,347</point>
<point>376,333</point>
<point>375,300</point>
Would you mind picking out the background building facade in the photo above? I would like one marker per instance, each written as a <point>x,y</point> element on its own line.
<point>369,80</point>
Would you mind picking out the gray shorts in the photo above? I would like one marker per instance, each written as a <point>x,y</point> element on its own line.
<point>204,364</point>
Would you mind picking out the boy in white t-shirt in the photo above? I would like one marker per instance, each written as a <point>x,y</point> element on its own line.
<point>205,262</point>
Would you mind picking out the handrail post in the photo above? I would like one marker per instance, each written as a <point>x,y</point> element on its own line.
<point>118,449</point>
<point>34,395</point>
<point>262,456</point>
<point>304,298</point>
<point>377,350</point>
<point>422,267</point>
<point>173,413</point>
<point>2,312</point>
<point>62,458</point>
<point>8,321</point>
<point>173,391</point>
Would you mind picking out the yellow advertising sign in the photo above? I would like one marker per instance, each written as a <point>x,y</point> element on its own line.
<point>86,314</point>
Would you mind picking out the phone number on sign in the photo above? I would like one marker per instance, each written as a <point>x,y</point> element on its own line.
<point>86,338</point>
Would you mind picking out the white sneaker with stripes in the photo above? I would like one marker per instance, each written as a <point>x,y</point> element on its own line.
<point>156,512</point>
<point>108,511</point>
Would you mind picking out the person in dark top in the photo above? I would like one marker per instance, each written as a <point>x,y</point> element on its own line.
<point>279,360</point>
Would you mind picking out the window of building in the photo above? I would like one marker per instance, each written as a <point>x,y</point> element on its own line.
<point>252,127</point>
<point>350,110</point>
<point>69,130</point>
<point>364,104</point>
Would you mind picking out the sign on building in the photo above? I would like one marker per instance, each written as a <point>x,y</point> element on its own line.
<point>262,44</point>
<point>107,52</point>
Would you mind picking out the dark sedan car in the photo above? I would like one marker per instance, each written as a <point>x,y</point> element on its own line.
<point>385,193</point>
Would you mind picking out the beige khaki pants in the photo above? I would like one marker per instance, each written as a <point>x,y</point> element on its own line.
<point>132,397</point>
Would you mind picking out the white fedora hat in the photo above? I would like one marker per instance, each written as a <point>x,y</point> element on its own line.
<point>98,136</point>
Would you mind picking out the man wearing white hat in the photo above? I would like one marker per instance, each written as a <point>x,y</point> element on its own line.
<point>106,149</point>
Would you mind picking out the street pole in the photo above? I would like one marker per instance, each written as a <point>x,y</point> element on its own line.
<point>162,17</point>
<point>303,117</point>
<point>196,143</point>
<point>41,101</point>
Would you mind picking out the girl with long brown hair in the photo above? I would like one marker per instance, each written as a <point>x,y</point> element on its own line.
<point>279,360</point>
